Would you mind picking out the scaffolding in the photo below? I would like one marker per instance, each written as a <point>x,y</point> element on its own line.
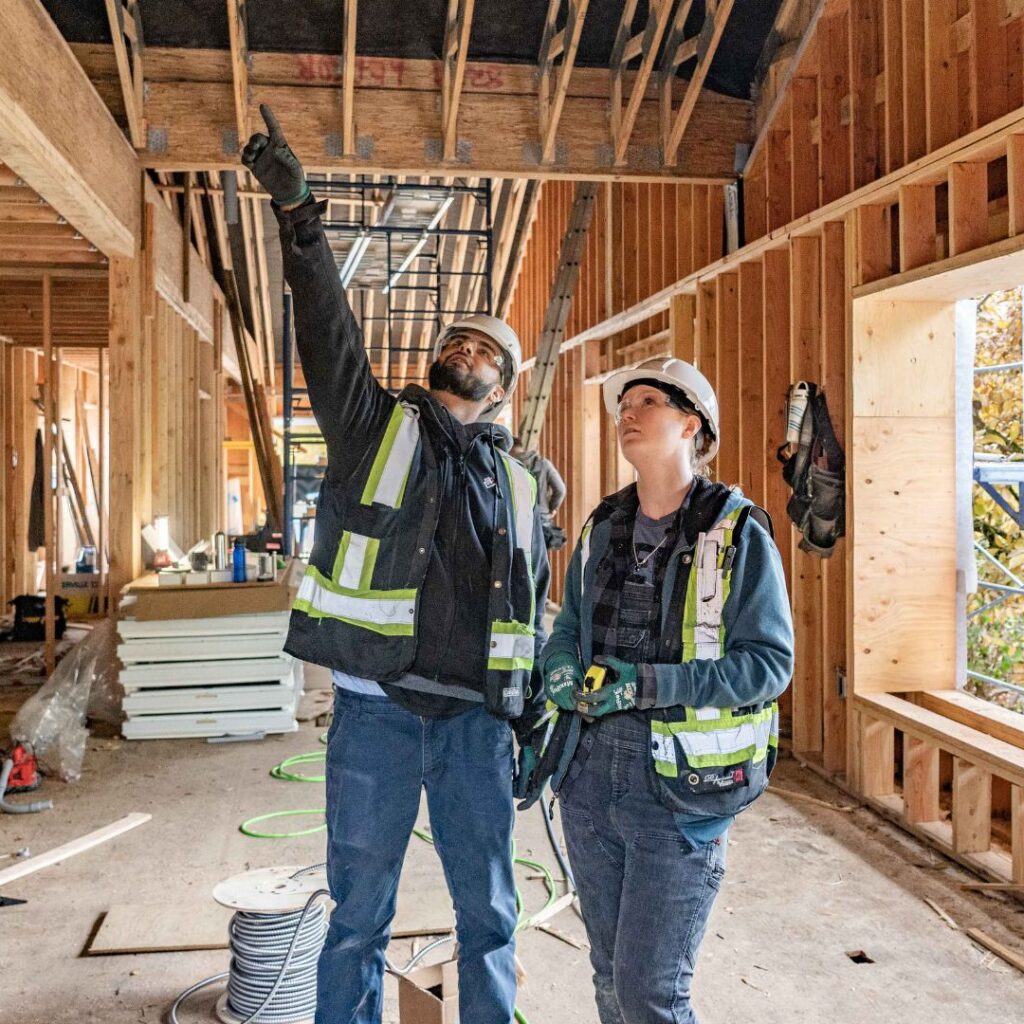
<point>412,256</point>
<point>1001,478</point>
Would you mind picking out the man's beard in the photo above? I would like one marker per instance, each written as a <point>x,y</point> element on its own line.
<point>446,377</point>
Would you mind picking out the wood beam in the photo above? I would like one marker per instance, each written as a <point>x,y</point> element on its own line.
<point>190,105</point>
<point>707,45</point>
<point>562,44</point>
<point>126,31</point>
<point>456,51</point>
<point>645,44</point>
<point>238,32</point>
<point>56,133</point>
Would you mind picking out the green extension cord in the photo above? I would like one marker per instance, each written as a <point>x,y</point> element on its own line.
<point>281,771</point>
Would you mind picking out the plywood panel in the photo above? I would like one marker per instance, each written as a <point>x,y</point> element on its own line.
<point>904,558</point>
<point>910,345</point>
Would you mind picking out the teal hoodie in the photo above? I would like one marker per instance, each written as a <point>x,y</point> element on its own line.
<point>758,659</point>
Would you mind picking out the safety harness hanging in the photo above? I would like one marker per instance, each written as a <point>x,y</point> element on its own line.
<point>815,467</point>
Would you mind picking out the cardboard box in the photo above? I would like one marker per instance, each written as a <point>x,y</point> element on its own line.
<point>430,995</point>
<point>82,591</point>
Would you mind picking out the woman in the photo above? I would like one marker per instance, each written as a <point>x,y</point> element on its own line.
<point>675,609</point>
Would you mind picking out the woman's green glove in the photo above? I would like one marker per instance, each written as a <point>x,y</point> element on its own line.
<point>619,692</point>
<point>563,676</point>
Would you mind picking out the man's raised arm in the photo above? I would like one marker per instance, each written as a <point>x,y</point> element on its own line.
<point>346,399</point>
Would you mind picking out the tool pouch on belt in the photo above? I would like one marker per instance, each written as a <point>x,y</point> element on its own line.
<point>712,761</point>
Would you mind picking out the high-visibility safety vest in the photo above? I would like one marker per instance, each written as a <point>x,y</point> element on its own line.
<point>712,760</point>
<point>369,601</point>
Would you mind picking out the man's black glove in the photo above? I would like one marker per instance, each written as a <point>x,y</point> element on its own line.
<point>276,167</point>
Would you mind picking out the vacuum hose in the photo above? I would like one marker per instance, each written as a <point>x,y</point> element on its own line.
<point>33,808</point>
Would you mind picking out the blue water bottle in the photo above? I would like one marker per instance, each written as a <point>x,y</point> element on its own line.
<point>238,561</point>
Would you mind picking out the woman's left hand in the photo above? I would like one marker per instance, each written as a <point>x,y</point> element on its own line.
<point>619,692</point>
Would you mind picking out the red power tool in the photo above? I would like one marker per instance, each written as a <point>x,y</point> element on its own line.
<point>24,776</point>
<point>19,773</point>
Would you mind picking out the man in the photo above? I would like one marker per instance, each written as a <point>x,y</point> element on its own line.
<point>424,594</point>
<point>550,491</point>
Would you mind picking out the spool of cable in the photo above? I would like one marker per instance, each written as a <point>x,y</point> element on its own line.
<point>275,938</point>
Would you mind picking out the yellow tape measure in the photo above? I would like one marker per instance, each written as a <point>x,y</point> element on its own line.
<point>594,678</point>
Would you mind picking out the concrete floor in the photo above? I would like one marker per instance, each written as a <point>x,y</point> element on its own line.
<point>806,886</point>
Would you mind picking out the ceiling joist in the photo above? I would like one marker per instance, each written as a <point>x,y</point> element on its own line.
<point>675,124</point>
<point>126,32</point>
<point>348,78</point>
<point>645,45</point>
<point>456,51</point>
<point>551,91</point>
<point>238,32</point>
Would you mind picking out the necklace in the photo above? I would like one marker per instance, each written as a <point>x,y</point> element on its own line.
<point>639,563</point>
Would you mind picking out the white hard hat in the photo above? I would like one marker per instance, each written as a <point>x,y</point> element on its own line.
<point>675,372</point>
<point>502,335</point>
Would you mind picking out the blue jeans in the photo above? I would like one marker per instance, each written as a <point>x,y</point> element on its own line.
<point>644,891</point>
<point>379,756</point>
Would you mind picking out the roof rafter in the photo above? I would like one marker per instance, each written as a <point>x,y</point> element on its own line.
<point>126,32</point>
<point>456,50</point>
<point>626,48</point>
<point>715,17</point>
<point>553,45</point>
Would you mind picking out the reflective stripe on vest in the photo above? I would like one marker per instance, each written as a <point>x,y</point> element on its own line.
<point>523,488</point>
<point>726,739</point>
<point>390,470</point>
<point>511,644</point>
<point>588,526</point>
<point>389,612</point>
<point>712,737</point>
<point>357,554</point>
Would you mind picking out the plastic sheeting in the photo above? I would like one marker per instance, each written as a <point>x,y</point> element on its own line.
<point>83,686</point>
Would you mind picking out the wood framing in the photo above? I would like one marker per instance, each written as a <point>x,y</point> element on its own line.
<point>348,78</point>
<point>456,52</point>
<point>708,39</point>
<point>125,22</point>
<point>399,112</point>
<point>628,46</point>
<point>553,87</point>
<point>238,33</point>
<point>56,133</point>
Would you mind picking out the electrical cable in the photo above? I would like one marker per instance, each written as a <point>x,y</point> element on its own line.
<point>283,946</point>
<point>283,771</point>
<point>247,829</point>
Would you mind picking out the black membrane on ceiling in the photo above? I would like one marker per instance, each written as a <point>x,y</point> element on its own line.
<point>507,31</point>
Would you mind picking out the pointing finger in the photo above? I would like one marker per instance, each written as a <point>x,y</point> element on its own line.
<point>276,135</point>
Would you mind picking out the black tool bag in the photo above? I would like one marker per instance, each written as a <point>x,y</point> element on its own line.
<point>816,470</point>
<point>30,617</point>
